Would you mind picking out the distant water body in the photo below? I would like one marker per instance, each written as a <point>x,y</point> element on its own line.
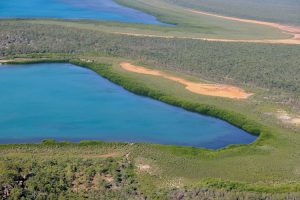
<point>74,9</point>
<point>67,102</point>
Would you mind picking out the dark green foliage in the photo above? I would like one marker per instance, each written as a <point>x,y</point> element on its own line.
<point>52,178</point>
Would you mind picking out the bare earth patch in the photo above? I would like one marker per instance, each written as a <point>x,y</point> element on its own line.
<point>218,90</point>
<point>5,61</point>
<point>287,118</point>
<point>143,168</point>
<point>108,155</point>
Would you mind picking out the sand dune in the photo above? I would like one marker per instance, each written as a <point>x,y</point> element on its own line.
<point>218,90</point>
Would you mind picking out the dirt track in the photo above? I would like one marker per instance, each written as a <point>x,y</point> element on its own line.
<point>218,90</point>
<point>292,30</point>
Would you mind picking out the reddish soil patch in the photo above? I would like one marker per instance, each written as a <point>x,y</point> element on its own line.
<point>219,90</point>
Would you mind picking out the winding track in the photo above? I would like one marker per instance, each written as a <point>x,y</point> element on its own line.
<point>294,31</point>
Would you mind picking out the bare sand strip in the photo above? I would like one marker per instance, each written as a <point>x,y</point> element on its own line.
<point>294,40</point>
<point>4,61</point>
<point>218,90</point>
<point>292,30</point>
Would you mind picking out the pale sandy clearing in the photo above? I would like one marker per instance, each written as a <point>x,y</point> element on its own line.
<point>5,61</point>
<point>287,118</point>
<point>143,168</point>
<point>294,40</point>
<point>219,90</point>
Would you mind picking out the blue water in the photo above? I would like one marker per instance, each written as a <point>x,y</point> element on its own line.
<point>67,102</point>
<point>73,9</point>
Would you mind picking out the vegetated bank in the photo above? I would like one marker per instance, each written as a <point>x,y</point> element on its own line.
<point>129,84</point>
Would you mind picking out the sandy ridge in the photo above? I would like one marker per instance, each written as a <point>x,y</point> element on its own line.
<point>218,90</point>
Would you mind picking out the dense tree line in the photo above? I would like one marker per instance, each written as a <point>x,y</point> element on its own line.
<point>59,178</point>
<point>260,65</point>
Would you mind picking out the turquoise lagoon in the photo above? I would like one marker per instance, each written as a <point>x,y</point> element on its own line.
<point>66,102</point>
<point>73,9</point>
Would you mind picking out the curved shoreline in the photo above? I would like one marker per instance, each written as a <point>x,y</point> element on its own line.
<point>232,117</point>
<point>252,127</point>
